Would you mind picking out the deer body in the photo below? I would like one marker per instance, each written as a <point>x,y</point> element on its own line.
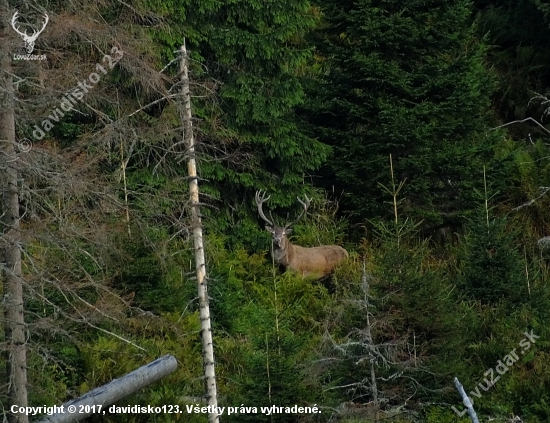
<point>314,262</point>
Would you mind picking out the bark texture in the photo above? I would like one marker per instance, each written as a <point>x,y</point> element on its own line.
<point>10,241</point>
<point>117,389</point>
<point>200,262</point>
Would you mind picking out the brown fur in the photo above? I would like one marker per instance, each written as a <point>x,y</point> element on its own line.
<point>313,262</point>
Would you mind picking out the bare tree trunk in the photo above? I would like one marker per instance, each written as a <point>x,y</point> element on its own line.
<point>200,262</point>
<point>117,389</point>
<point>466,400</point>
<point>14,323</point>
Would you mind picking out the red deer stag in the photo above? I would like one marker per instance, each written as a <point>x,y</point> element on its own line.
<point>314,262</point>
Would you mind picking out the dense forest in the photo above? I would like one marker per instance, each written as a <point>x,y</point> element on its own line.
<point>418,130</point>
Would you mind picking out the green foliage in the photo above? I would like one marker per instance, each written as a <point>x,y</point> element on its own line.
<point>175,334</point>
<point>270,329</point>
<point>439,415</point>
<point>272,375</point>
<point>61,371</point>
<point>399,317</point>
<point>418,301</point>
<point>528,175</point>
<point>252,53</point>
<point>518,32</point>
<point>492,268</point>
<point>400,80</point>
<point>411,79</point>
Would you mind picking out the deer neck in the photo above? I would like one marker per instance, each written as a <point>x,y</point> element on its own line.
<point>283,254</point>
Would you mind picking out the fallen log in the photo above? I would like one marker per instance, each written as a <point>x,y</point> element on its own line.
<point>112,392</point>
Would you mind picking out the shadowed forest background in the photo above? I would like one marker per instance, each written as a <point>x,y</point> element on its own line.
<point>419,129</point>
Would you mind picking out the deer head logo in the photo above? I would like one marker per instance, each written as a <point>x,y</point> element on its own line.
<point>29,39</point>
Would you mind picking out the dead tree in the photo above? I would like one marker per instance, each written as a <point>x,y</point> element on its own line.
<point>200,262</point>
<point>376,360</point>
<point>56,199</point>
<point>117,389</point>
<point>14,322</point>
<point>466,400</point>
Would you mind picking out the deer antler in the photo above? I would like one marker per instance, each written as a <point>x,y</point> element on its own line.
<point>260,199</point>
<point>305,204</point>
<point>13,22</point>
<point>29,39</point>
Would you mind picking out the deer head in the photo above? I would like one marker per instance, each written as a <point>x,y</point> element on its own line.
<point>279,233</point>
<point>29,39</point>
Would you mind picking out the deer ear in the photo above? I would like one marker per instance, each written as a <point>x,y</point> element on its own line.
<point>269,228</point>
<point>288,231</point>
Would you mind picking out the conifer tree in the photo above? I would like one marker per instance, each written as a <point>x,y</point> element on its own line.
<point>492,268</point>
<point>251,55</point>
<point>519,34</point>
<point>407,79</point>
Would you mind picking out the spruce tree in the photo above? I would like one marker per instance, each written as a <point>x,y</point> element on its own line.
<point>519,33</point>
<point>405,78</point>
<point>250,55</point>
<point>492,268</point>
